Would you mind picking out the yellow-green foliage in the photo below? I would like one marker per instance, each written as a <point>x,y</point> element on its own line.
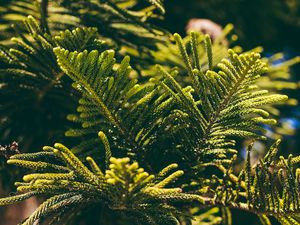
<point>180,122</point>
<point>270,187</point>
<point>124,188</point>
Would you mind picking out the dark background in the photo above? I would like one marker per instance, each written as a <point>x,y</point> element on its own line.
<point>274,24</point>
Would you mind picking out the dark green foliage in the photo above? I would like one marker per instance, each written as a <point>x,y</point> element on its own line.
<point>181,123</point>
<point>125,23</point>
<point>13,12</point>
<point>31,79</point>
<point>23,61</point>
<point>24,72</point>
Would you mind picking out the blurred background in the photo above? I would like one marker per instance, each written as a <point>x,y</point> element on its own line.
<point>273,24</point>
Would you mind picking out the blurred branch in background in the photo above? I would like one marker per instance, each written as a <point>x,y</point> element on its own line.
<point>257,22</point>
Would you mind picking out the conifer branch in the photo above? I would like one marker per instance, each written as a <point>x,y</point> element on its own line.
<point>178,124</point>
<point>232,103</point>
<point>124,187</point>
<point>264,196</point>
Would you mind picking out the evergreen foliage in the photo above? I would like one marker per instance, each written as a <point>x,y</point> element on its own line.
<point>124,188</point>
<point>269,188</point>
<point>52,17</point>
<point>31,78</point>
<point>177,113</point>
